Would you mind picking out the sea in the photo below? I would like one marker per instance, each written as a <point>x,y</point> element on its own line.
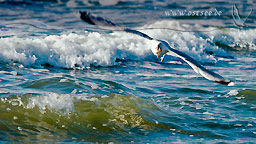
<point>65,81</point>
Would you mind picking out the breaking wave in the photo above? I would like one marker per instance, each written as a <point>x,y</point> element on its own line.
<point>80,50</point>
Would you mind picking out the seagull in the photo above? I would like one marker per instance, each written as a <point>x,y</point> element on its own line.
<point>159,47</point>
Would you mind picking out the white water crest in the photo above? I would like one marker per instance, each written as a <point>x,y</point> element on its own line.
<point>76,50</point>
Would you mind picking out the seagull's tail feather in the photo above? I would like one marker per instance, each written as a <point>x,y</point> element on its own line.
<point>95,20</point>
<point>200,69</point>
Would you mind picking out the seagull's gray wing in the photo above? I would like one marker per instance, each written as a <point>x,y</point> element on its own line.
<point>96,20</point>
<point>199,68</point>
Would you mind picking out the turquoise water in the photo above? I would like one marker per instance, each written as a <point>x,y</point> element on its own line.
<point>65,81</point>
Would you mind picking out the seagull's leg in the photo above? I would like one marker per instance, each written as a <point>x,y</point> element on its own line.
<point>162,58</point>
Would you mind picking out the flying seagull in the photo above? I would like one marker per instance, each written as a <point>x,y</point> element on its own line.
<point>159,47</point>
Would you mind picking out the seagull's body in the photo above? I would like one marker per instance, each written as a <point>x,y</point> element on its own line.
<point>159,47</point>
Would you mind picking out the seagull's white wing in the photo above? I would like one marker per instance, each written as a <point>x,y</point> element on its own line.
<point>198,68</point>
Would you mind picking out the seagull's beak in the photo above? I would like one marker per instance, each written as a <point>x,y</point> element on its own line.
<point>159,51</point>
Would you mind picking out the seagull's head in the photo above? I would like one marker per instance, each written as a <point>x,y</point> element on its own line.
<point>159,47</point>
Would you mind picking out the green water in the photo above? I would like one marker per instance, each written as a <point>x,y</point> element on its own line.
<point>64,81</point>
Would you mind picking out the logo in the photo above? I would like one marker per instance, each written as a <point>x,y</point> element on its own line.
<point>238,21</point>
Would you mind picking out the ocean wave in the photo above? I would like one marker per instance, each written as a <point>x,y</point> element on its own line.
<point>77,117</point>
<point>55,116</point>
<point>73,50</point>
<point>235,39</point>
<point>80,50</point>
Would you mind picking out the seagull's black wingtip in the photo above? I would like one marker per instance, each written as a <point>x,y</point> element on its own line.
<point>228,83</point>
<point>86,16</point>
<point>84,12</point>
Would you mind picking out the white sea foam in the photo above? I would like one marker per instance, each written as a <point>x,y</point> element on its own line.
<point>11,73</point>
<point>52,101</point>
<point>166,75</point>
<point>233,92</point>
<point>240,39</point>
<point>72,50</point>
